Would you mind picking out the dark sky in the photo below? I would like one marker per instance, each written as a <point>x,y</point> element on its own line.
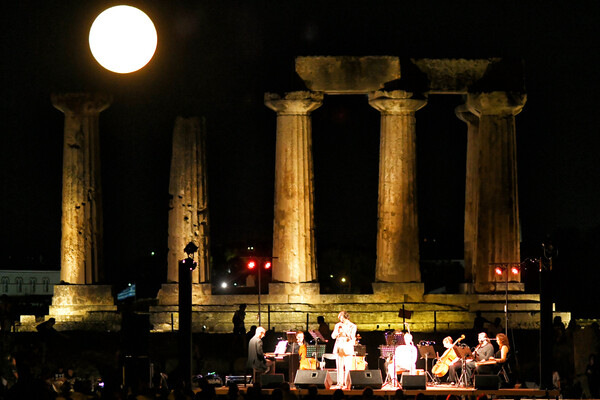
<point>217,59</point>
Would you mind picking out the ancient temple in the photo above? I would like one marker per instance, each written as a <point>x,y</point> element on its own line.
<point>493,94</point>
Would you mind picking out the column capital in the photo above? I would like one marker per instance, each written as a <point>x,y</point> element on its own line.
<point>395,102</point>
<point>496,103</point>
<point>81,103</point>
<point>464,114</point>
<point>294,103</point>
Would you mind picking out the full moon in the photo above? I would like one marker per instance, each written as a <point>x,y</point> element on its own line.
<point>123,39</point>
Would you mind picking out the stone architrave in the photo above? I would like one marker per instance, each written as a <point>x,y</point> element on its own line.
<point>472,183</point>
<point>294,258</point>
<point>188,211</point>
<point>497,220</point>
<point>81,222</point>
<point>397,231</point>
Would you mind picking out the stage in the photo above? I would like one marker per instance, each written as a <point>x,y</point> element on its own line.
<point>441,391</point>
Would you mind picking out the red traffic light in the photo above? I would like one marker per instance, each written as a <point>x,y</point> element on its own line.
<point>515,270</point>
<point>251,264</point>
<point>499,270</point>
<point>267,264</point>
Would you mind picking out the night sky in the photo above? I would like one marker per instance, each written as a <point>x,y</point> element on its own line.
<point>216,59</point>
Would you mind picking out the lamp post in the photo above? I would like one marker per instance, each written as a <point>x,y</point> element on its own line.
<point>186,266</point>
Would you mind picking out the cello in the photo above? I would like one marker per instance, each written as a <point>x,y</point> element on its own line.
<point>443,364</point>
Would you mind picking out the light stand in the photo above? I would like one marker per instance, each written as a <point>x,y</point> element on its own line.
<point>186,267</point>
<point>505,269</point>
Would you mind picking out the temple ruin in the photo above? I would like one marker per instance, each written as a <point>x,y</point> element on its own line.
<point>493,94</point>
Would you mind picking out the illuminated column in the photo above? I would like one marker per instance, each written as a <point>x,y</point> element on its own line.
<point>81,224</point>
<point>471,189</point>
<point>294,259</point>
<point>497,219</point>
<point>188,211</point>
<point>397,231</point>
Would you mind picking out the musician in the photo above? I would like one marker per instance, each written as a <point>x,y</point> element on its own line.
<point>305,361</point>
<point>294,345</point>
<point>344,334</point>
<point>405,358</point>
<point>499,359</point>
<point>256,356</point>
<point>482,352</point>
<point>449,357</point>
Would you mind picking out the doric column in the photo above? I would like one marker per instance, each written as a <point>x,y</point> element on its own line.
<point>397,232</point>
<point>497,219</point>
<point>294,258</point>
<point>81,240</point>
<point>188,211</point>
<point>471,189</point>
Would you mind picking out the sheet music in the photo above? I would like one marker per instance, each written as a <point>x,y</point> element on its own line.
<point>281,346</point>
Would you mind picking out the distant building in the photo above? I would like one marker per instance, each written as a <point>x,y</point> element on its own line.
<point>28,282</point>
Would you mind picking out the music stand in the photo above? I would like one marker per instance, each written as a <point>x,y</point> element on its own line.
<point>463,353</point>
<point>428,352</point>
<point>316,335</point>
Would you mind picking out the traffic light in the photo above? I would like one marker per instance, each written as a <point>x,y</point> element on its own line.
<point>251,264</point>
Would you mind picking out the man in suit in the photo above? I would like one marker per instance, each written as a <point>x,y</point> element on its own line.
<point>256,356</point>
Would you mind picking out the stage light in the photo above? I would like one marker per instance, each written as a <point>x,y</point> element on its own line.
<point>251,264</point>
<point>499,271</point>
<point>123,39</point>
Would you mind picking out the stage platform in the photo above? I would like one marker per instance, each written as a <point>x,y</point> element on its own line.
<point>439,391</point>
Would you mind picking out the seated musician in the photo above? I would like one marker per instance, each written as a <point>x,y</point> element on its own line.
<point>305,362</point>
<point>256,356</point>
<point>501,357</point>
<point>482,352</point>
<point>405,358</point>
<point>449,357</point>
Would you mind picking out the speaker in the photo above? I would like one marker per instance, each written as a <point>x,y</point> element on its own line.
<point>333,375</point>
<point>413,381</point>
<point>489,382</point>
<point>307,377</point>
<point>271,381</point>
<point>362,379</point>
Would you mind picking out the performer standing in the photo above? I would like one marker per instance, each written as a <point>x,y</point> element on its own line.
<point>344,334</point>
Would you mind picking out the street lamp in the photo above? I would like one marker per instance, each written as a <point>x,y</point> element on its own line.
<point>253,264</point>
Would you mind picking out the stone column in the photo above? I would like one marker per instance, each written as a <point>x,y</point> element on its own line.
<point>497,220</point>
<point>397,232</point>
<point>471,189</point>
<point>188,211</point>
<point>294,258</point>
<point>81,223</point>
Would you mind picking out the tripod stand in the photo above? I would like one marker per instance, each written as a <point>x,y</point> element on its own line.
<point>388,353</point>
<point>426,352</point>
<point>463,353</point>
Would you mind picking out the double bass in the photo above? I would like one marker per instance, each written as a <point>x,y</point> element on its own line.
<point>443,364</point>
